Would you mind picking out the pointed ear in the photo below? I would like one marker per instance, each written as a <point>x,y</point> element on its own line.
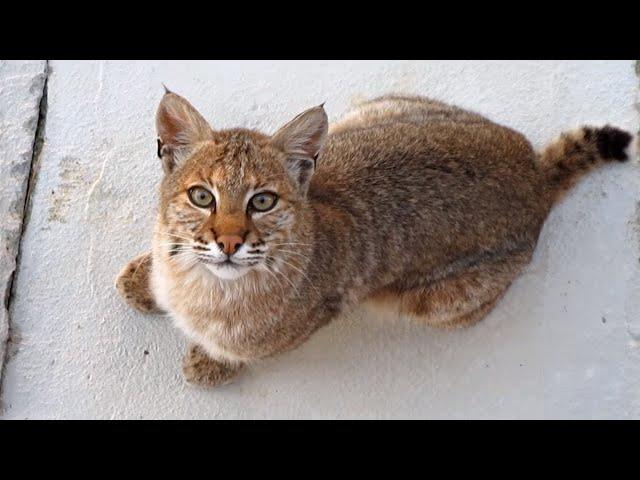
<point>301,139</point>
<point>179,128</point>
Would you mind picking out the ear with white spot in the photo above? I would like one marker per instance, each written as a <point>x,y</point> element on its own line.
<point>180,127</point>
<point>301,139</point>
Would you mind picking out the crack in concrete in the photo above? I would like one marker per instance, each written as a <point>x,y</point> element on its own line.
<point>38,142</point>
<point>92,189</point>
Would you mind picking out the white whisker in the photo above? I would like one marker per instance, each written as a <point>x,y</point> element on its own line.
<point>279,283</point>
<point>291,243</point>
<point>173,234</point>
<point>292,252</point>
<point>303,274</point>
<point>289,281</point>
<point>174,243</point>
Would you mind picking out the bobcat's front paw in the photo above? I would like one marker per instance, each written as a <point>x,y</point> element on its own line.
<point>133,284</point>
<point>200,369</point>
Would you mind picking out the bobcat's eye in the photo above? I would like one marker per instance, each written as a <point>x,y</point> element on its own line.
<point>201,197</point>
<point>263,202</point>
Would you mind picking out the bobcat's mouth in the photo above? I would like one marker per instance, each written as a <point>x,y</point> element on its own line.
<point>220,263</point>
<point>226,269</point>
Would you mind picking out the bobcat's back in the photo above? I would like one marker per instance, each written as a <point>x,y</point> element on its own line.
<point>428,183</point>
<point>405,109</point>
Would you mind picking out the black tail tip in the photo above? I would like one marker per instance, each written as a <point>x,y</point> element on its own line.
<point>612,143</point>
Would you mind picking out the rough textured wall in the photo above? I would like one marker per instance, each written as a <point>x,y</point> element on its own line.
<point>564,342</point>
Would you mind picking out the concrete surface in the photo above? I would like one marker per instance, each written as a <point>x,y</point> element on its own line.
<point>21,88</point>
<point>564,342</point>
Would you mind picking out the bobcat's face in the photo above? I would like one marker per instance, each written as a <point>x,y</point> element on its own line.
<point>231,207</point>
<point>230,200</point>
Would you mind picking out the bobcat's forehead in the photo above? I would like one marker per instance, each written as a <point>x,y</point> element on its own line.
<point>233,163</point>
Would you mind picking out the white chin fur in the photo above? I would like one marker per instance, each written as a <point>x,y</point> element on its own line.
<point>227,273</point>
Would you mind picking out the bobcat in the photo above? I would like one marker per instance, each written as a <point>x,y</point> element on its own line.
<point>260,240</point>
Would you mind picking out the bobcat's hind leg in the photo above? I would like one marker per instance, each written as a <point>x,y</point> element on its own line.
<point>133,285</point>
<point>465,297</point>
<point>470,318</point>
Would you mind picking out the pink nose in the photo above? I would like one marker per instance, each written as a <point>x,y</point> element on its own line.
<point>229,244</point>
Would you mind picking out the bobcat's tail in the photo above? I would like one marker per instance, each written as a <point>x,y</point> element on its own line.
<point>575,153</point>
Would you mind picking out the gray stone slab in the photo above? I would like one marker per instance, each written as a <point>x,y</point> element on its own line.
<point>564,341</point>
<point>21,87</point>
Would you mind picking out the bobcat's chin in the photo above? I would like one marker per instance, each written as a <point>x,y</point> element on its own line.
<point>227,271</point>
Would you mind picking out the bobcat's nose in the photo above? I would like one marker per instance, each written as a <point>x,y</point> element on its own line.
<point>229,244</point>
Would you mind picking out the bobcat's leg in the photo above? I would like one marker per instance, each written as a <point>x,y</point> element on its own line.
<point>200,369</point>
<point>133,284</point>
<point>468,319</point>
<point>465,297</point>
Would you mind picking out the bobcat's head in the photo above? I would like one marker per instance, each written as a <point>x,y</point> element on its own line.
<point>230,199</point>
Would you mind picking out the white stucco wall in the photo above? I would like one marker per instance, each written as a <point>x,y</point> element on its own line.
<point>564,342</point>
